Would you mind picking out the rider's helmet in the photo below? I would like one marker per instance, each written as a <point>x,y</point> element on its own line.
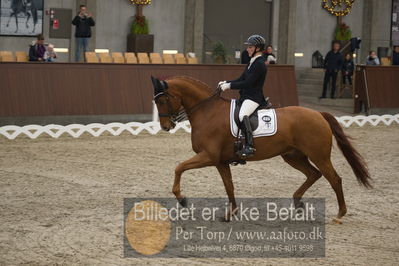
<point>257,41</point>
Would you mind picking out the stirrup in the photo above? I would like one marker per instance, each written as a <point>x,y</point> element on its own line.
<point>246,152</point>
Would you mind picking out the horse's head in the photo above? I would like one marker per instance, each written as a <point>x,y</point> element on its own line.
<point>168,104</point>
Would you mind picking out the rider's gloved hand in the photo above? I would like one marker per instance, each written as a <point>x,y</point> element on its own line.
<point>221,82</point>
<point>225,86</point>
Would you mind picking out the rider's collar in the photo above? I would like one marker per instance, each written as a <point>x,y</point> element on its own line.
<point>253,60</point>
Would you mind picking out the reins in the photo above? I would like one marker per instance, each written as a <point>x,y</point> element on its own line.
<point>182,113</point>
<point>195,107</point>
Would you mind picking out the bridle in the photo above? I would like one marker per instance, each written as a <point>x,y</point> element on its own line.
<point>181,114</point>
<point>174,117</point>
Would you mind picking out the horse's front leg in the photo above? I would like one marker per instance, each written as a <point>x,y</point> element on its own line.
<point>198,161</point>
<point>225,173</point>
<point>9,19</point>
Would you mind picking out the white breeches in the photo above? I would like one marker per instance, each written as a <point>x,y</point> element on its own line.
<point>247,108</point>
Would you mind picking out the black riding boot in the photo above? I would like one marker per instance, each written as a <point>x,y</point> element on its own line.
<point>248,150</point>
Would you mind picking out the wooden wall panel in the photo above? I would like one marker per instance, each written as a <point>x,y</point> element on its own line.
<point>381,83</point>
<point>38,89</point>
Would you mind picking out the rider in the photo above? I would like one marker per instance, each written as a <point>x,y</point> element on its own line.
<point>250,85</point>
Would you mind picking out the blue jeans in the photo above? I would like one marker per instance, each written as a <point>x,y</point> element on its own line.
<point>81,43</point>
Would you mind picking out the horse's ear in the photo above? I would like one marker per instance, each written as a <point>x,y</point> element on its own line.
<point>164,85</point>
<point>158,88</point>
<point>154,81</point>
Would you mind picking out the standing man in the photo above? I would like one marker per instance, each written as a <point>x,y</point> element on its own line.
<point>332,65</point>
<point>83,22</point>
<point>395,56</point>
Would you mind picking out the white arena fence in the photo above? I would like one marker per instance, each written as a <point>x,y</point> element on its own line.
<point>135,128</point>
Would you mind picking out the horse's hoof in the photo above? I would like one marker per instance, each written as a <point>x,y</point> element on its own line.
<point>183,202</point>
<point>299,204</point>
<point>337,220</point>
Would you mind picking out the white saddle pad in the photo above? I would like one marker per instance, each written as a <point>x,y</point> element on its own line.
<point>267,122</point>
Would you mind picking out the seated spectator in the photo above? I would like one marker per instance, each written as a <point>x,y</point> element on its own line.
<point>372,59</point>
<point>269,56</point>
<point>50,55</point>
<point>347,69</point>
<point>395,56</point>
<point>37,50</point>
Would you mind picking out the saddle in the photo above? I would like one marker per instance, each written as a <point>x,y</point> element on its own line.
<point>253,118</point>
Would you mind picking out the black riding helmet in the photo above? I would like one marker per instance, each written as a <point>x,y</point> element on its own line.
<point>257,41</point>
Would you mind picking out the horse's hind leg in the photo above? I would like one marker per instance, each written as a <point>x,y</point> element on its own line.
<point>335,181</point>
<point>27,20</point>
<point>16,22</point>
<point>300,162</point>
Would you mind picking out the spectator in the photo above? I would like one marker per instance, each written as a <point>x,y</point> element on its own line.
<point>50,55</point>
<point>37,50</point>
<point>332,64</point>
<point>347,69</point>
<point>395,56</point>
<point>269,56</point>
<point>372,59</point>
<point>83,22</point>
<point>245,57</point>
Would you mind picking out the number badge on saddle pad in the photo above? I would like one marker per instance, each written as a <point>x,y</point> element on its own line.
<point>263,121</point>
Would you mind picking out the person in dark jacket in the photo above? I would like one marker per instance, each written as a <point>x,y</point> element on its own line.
<point>347,69</point>
<point>245,57</point>
<point>250,85</point>
<point>332,65</point>
<point>395,56</point>
<point>37,50</point>
<point>83,22</point>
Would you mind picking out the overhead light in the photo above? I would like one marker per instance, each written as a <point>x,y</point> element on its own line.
<point>298,54</point>
<point>169,51</point>
<point>354,55</point>
<point>102,51</point>
<point>61,50</point>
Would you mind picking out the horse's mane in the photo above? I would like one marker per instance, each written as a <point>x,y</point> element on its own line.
<point>196,82</point>
<point>192,80</point>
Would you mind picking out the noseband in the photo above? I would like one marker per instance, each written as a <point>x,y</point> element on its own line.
<point>174,117</point>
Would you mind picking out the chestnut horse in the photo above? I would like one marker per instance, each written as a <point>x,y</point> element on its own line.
<point>303,136</point>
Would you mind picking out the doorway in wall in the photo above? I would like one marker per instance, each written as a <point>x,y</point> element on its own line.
<point>230,22</point>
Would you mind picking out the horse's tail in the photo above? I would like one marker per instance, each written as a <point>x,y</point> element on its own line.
<point>353,157</point>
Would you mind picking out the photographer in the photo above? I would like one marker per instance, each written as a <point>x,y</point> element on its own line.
<point>83,22</point>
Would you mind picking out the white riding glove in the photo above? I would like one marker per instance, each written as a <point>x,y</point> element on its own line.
<point>225,86</point>
<point>221,82</point>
